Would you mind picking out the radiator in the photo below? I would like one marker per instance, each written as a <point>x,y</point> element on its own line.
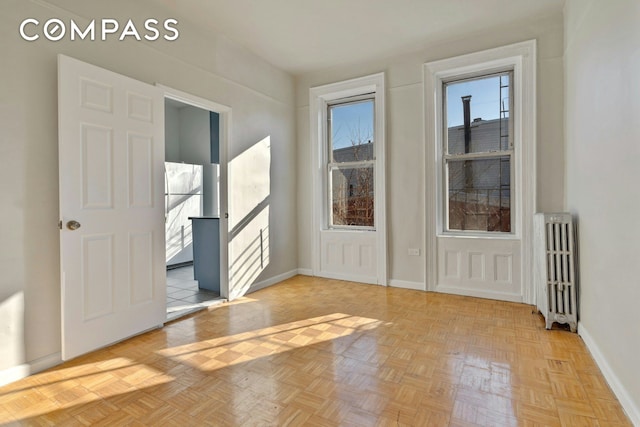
<point>555,269</point>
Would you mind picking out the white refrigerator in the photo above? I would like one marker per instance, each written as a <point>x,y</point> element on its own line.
<point>183,199</point>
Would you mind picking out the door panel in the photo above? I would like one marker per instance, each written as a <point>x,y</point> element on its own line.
<point>140,171</point>
<point>97,275</point>
<point>97,166</point>
<point>111,152</point>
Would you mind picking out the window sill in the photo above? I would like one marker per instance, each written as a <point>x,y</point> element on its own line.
<point>351,229</point>
<point>478,235</point>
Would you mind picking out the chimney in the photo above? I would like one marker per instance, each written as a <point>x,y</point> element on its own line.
<point>466,108</point>
<point>468,175</point>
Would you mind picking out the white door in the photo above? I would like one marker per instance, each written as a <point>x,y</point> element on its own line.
<point>112,245</point>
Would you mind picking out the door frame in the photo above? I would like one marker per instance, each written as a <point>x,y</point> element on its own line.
<point>225,137</point>
<point>522,57</point>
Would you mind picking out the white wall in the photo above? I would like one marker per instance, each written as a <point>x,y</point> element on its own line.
<point>262,100</point>
<point>602,107</point>
<point>405,135</point>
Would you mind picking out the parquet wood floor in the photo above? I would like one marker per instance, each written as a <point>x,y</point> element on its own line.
<point>315,352</point>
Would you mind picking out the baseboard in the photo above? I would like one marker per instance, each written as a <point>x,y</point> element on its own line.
<point>22,371</point>
<point>627,402</point>
<point>272,281</point>
<point>479,294</point>
<point>179,265</point>
<point>418,286</point>
<point>348,277</point>
<point>305,271</point>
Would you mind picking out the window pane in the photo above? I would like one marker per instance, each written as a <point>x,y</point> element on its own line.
<point>480,194</point>
<point>352,196</point>
<point>478,115</point>
<point>351,131</point>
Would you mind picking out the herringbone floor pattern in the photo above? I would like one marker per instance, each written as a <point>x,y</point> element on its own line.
<point>315,352</point>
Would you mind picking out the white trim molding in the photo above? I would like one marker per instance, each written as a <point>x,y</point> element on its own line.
<point>625,398</point>
<point>272,281</point>
<point>521,58</point>
<point>225,141</point>
<point>502,296</point>
<point>19,372</point>
<point>305,272</point>
<point>319,99</point>
<point>416,286</point>
<point>347,277</point>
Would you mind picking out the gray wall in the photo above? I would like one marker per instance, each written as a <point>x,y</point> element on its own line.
<point>405,135</point>
<point>187,134</point>
<point>602,93</point>
<point>262,99</point>
<point>171,133</point>
<point>195,135</point>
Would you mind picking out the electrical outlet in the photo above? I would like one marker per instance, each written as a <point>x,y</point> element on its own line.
<point>414,251</point>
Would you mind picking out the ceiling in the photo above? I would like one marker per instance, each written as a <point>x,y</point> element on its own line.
<point>304,35</point>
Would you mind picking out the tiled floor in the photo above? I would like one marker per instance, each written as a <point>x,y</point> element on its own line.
<point>184,296</point>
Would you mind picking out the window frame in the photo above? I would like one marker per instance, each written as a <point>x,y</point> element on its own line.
<point>446,158</point>
<point>469,66</point>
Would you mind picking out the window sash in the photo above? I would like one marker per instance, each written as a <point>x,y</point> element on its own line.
<point>472,156</point>
<point>369,164</point>
<point>446,157</point>
<point>448,189</point>
<point>480,76</point>
<point>332,165</point>
<point>358,99</point>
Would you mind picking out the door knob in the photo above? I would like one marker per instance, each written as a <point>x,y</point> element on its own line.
<point>73,225</point>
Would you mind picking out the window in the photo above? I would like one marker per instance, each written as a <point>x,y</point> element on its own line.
<point>477,153</point>
<point>348,214</point>
<point>351,162</point>
<point>480,197</point>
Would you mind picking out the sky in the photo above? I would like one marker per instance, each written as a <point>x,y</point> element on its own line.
<point>485,99</point>
<point>350,119</point>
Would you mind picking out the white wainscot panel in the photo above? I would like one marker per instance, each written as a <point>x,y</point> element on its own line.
<point>476,266</point>
<point>481,267</point>
<point>349,255</point>
<point>452,264</point>
<point>503,268</point>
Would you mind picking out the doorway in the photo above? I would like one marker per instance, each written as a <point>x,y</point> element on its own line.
<point>196,132</point>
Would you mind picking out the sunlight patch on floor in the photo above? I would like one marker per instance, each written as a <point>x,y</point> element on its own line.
<point>239,348</point>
